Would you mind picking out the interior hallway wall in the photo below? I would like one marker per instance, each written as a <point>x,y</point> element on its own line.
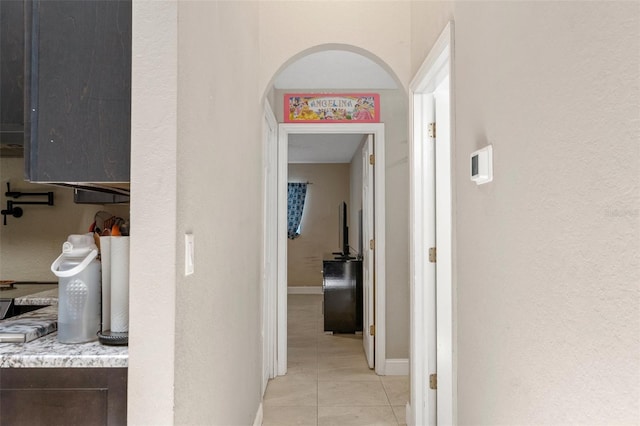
<point>320,230</point>
<point>153,257</point>
<point>219,192</point>
<point>187,143</point>
<point>254,39</point>
<point>287,29</point>
<point>548,253</point>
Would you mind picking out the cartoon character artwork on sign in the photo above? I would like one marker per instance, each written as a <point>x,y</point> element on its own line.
<point>338,108</point>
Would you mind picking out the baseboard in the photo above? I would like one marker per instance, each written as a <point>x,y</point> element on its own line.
<point>258,420</point>
<point>311,289</point>
<point>397,367</point>
<point>408,416</point>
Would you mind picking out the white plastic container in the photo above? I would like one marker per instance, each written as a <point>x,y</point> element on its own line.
<point>79,292</point>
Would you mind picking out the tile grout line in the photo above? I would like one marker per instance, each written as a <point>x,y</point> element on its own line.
<point>315,310</point>
<point>319,318</point>
<point>390,404</point>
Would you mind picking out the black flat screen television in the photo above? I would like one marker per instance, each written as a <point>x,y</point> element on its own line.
<point>343,231</point>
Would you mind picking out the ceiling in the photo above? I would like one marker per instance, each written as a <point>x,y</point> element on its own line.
<point>330,70</point>
<point>328,148</point>
<point>336,70</point>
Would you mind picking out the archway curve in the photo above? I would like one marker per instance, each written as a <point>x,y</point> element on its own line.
<point>335,46</point>
<point>276,286</point>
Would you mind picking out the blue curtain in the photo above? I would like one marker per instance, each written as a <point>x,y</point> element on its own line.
<point>296,194</point>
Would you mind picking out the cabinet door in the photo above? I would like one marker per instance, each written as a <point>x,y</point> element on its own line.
<point>63,396</point>
<point>12,75</point>
<point>34,407</point>
<point>80,91</point>
<point>340,296</point>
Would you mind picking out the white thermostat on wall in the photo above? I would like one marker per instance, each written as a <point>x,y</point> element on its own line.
<point>482,165</point>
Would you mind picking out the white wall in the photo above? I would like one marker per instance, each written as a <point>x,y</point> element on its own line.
<point>288,28</point>
<point>154,261</point>
<point>195,352</point>
<point>547,263</point>
<point>548,254</point>
<point>218,332</point>
<point>204,119</point>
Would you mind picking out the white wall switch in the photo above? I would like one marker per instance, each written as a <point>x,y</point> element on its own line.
<point>482,165</point>
<point>189,254</point>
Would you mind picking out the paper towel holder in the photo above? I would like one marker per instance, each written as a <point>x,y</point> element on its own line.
<point>113,338</point>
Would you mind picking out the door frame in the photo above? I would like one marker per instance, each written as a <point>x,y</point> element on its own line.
<point>368,262</point>
<point>377,129</point>
<point>426,303</point>
<point>269,287</point>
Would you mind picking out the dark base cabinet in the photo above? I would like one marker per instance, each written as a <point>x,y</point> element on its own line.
<point>342,285</point>
<point>63,396</point>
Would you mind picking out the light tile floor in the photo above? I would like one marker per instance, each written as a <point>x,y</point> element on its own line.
<point>328,381</point>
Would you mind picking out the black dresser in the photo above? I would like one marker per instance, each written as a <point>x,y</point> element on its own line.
<point>342,285</point>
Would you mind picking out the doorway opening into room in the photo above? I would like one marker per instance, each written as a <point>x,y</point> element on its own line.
<point>364,138</point>
<point>304,75</point>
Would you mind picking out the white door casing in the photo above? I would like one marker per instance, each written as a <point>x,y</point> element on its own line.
<point>377,130</point>
<point>422,289</point>
<point>431,220</point>
<point>368,258</point>
<point>269,270</point>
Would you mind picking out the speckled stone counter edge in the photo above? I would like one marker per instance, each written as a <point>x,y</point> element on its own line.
<point>43,298</point>
<point>47,352</point>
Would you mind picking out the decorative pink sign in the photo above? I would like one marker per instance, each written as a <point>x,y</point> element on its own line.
<point>332,108</point>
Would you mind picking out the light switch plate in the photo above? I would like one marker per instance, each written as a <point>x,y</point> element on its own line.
<point>189,254</point>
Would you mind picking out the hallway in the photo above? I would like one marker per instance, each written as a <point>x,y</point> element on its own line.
<point>328,381</point>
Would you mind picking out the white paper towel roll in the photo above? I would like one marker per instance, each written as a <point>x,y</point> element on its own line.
<point>120,284</point>
<point>105,258</point>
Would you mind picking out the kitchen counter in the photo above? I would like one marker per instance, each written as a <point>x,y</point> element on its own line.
<point>43,298</point>
<point>47,352</point>
<point>31,293</point>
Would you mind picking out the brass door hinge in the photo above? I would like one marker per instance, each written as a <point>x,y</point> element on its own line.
<point>372,159</point>
<point>372,244</point>
<point>433,381</point>
<point>432,255</point>
<point>372,330</point>
<point>432,130</point>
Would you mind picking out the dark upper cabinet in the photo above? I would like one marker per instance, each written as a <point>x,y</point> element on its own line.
<point>11,77</point>
<point>78,96</point>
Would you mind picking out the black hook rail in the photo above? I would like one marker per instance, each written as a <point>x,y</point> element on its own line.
<point>16,212</point>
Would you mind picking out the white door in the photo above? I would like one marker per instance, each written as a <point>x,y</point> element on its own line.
<point>444,266</point>
<point>430,268</point>
<point>368,255</point>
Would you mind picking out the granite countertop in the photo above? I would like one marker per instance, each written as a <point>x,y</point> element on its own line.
<point>29,326</point>
<point>47,352</point>
<point>43,298</point>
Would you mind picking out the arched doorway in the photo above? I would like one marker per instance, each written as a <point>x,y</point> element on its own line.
<point>356,71</point>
